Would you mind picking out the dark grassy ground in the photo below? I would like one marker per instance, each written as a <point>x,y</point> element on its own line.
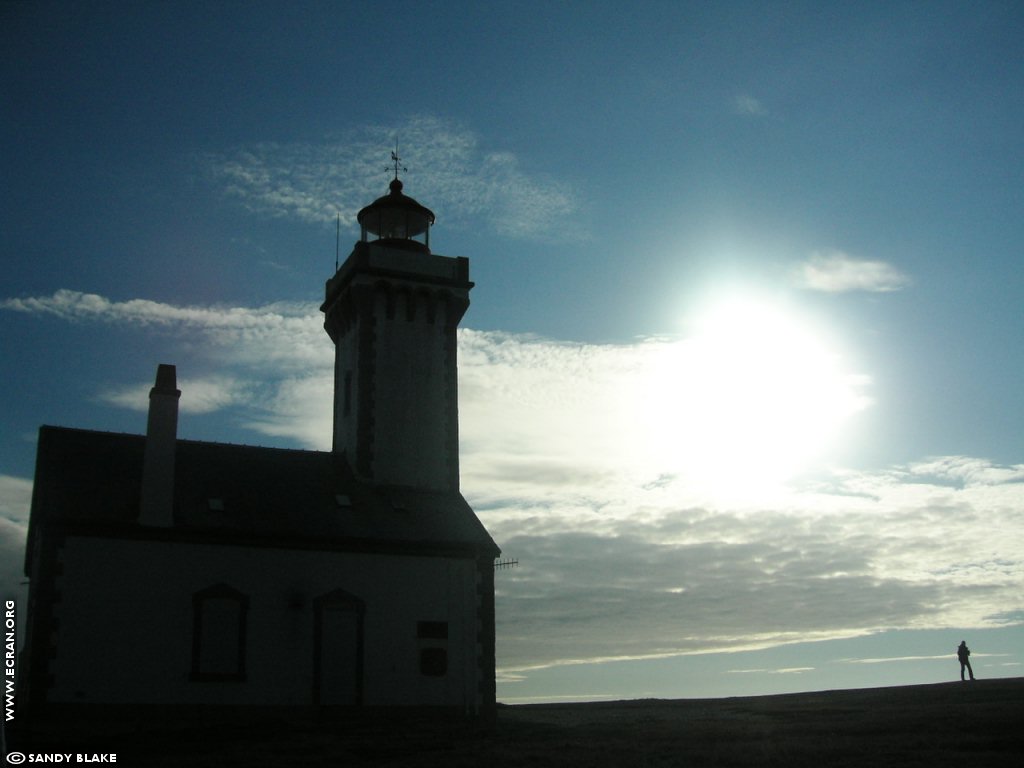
<point>951,724</point>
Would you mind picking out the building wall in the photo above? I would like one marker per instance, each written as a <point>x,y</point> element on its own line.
<point>124,623</point>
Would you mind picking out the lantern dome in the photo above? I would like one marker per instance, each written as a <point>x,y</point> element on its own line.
<point>398,219</point>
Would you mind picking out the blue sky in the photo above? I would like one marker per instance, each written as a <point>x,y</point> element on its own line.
<point>740,383</point>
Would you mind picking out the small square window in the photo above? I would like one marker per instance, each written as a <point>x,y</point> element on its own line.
<point>215,505</point>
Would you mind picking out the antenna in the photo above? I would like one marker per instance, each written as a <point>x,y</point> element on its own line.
<point>501,565</point>
<point>337,242</point>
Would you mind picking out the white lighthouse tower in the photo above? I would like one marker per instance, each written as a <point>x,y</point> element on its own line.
<point>392,310</point>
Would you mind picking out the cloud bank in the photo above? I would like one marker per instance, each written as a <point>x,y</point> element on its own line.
<point>448,166</point>
<point>622,553</point>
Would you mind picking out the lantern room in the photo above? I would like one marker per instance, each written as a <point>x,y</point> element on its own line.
<point>397,220</point>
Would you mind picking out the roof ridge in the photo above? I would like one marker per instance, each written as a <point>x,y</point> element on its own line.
<point>250,445</point>
<point>189,440</point>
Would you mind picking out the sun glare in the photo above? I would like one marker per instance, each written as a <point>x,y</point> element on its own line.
<point>747,401</point>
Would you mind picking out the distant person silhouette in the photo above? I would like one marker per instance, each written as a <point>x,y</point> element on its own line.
<point>964,654</point>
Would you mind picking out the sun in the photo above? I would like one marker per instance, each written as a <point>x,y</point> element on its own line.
<point>749,399</point>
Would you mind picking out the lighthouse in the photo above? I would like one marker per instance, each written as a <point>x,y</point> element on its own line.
<point>392,310</point>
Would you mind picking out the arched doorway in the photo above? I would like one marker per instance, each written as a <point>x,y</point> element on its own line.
<point>338,649</point>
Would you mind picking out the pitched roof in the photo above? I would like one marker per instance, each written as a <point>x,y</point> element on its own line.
<point>293,497</point>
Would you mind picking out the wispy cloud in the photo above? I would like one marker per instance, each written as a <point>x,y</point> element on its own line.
<point>943,657</point>
<point>746,105</point>
<point>197,395</point>
<point>270,334</point>
<point>622,553</point>
<point>262,361</point>
<point>838,272</point>
<point>450,170</point>
<point>888,659</point>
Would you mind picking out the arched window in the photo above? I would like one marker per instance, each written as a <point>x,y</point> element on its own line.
<point>218,633</point>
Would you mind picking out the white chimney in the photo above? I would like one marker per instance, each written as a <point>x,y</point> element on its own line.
<point>156,504</point>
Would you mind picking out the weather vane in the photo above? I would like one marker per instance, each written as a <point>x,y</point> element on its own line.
<point>396,162</point>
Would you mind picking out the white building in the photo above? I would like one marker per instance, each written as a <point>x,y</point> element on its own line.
<point>167,572</point>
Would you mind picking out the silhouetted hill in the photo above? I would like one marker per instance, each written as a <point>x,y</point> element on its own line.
<point>948,724</point>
